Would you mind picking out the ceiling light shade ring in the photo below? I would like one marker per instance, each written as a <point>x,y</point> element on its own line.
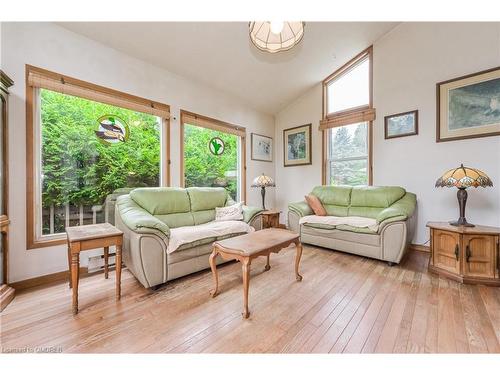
<point>265,40</point>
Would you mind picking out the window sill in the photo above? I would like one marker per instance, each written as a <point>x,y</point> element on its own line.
<point>55,240</point>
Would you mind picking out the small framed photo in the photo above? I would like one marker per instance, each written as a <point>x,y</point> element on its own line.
<point>401,124</point>
<point>297,146</point>
<point>262,147</point>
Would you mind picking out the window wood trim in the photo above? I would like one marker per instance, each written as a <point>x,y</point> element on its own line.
<point>58,239</point>
<point>214,124</point>
<point>353,113</point>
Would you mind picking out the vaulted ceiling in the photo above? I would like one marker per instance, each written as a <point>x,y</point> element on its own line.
<point>220,55</point>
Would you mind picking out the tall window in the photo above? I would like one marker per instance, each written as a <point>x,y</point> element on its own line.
<point>347,122</point>
<point>212,154</point>
<point>86,153</point>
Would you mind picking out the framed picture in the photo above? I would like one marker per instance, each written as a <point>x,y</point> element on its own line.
<point>262,147</point>
<point>297,146</point>
<point>401,124</point>
<point>468,106</point>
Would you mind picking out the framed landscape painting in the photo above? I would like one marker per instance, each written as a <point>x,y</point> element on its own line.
<point>262,147</point>
<point>297,146</point>
<point>469,106</point>
<point>401,124</point>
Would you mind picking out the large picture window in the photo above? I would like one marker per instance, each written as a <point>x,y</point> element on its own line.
<point>213,154</point>
<point>85,154</point>
<point>347,123</point>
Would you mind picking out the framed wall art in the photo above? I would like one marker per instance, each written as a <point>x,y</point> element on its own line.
<point>401,124</point>
<point>468,106</point>
<point>262,147</point>
<point>297,146</point>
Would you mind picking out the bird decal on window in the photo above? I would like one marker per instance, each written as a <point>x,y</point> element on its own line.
<point>110,130</point>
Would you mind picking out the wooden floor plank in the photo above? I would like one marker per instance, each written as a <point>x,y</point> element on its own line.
<point>344,304</point>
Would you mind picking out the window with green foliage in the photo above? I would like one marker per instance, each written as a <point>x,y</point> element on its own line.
<point>88,154</point>
<point>347,122</point>
<point>348,155</point>
<point>215,164</point>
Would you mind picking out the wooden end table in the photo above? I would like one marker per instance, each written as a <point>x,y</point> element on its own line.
<point>88,237</point>
<point>270,219</point>
<point>250,246</point>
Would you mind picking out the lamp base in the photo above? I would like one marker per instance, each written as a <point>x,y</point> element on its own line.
<point>462,200</point>
<point>461,223</point>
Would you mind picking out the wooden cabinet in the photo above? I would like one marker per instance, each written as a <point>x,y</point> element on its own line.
<point>6,292</point>
<point>465,254</point>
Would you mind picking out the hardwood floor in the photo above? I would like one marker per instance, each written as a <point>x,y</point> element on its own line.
<point>344,304</point>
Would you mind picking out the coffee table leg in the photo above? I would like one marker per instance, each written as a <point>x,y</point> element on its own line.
<point>245,267</point>
<point>118,271</point>
<point>75,268</point>
<point>215,276</point>
<point>298,277</point>
<point>268,266</point>
<point>106,264</point>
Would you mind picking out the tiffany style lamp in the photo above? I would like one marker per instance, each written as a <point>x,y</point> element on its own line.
<point>463,178</point>
<point>263,181</point>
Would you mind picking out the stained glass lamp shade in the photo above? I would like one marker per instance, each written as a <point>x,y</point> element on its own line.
<point>463,178</point>
<point>275,37</point>
<point>263,181</point>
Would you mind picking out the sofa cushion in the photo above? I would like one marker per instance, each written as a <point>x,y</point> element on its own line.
<point>333,210</point>
<point>185,235</point>
<point>202,217</point>
<point>162,200</point>
<point>371,212</point>
<point>203,199</point>
<point>333,195</point>
<point>371,239</point>
<point>182,219</point>
<point>376,196</point>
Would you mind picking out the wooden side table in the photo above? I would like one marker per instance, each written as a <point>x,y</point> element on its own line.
<point>270,219</point>
<point>466,254</point>
<point>88,237</point>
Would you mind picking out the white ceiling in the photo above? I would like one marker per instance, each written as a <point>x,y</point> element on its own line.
<point>220,55</point>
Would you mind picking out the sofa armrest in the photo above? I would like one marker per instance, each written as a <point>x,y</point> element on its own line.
<point>251,212</point>
<point>300,208</point>
<point>400,210</point>
<point>138,219</point>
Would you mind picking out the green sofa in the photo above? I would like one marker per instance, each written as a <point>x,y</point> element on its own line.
<point>146,215</point>
<point>392,207</point>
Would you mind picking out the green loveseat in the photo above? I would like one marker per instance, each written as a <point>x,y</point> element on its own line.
<point>392,207</point>
<point>147,215</point>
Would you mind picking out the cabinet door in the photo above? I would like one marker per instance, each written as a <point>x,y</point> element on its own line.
<point>446,250</point>
<point>480,255</point>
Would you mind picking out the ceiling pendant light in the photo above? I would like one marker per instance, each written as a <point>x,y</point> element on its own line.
<point>276,36</point>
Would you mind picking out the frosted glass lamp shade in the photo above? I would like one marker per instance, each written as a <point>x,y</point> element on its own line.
<point>265,37</point>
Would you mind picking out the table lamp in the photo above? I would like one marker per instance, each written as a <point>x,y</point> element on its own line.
<point>463,178</point>
<point>263,181</point>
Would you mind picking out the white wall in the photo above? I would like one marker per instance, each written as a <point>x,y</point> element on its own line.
<point>51,47</point>
<point>408,62</point>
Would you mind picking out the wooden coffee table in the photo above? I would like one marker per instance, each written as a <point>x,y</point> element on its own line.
<point>250,246</point>
<point>88,237</point>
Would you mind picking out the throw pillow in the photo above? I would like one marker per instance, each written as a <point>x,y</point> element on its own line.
<point>316,205</point>
<point>234,212</point>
